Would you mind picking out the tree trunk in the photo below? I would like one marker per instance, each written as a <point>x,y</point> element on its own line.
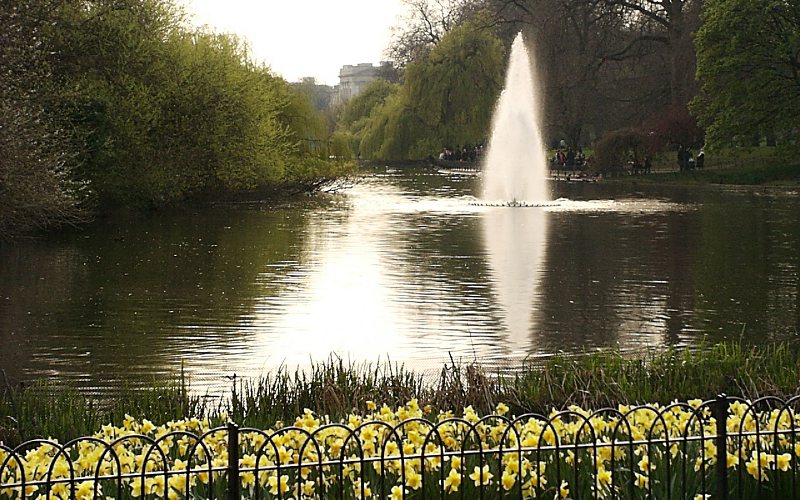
<point>679,63</point>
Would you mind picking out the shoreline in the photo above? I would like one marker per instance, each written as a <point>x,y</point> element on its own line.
<point>593,379</point>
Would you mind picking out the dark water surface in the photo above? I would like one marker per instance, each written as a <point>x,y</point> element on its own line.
<point>404,266</point>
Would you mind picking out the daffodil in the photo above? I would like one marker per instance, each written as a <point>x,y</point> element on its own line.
<point>603,477</point>
<point>452,481</point>
<point>308,488</point>
<point>311,443</point>
<point>146,427</point>
<point>501,409</point>
<point>275,484</point>
<point>481,476</point>
<point>563,490</point>
<point>753,468</point>
<point>783,461</point>
<point>413,479</point>
<point>508,480</point>
<point>397,493</point>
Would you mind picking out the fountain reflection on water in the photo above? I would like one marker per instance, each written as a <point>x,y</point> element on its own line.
<point>514,183</point>
<point>408,267</point>
<point>515,241</point>
<point>414,271</point>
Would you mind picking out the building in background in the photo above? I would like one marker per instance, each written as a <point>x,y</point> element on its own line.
<point>353,79</point>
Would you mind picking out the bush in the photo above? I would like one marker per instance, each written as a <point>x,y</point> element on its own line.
<point>615,150</point>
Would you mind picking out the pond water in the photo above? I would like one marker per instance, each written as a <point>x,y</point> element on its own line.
<point>403,266</point>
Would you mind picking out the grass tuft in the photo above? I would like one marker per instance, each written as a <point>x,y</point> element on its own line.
<point>335,388</point>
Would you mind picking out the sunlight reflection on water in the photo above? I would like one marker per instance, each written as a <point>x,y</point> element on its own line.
<point>406,267</point>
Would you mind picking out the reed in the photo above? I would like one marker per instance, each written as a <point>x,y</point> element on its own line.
<point>336,388</point>
<point>332,388</point>
<point>43,409</point>
<point>608,378</point>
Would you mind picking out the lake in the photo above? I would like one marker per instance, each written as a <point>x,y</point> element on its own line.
<point>404,266</point>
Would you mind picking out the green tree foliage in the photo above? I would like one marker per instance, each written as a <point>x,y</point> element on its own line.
<point>454,89</point>
<point>162,112</point>
<point>446,98</point>
<point>361,106</point>
<point>35,186</point>
<point>748,57</point>
<point>355,118</point>
<point>424,25</point>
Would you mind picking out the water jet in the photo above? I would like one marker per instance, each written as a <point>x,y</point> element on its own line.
<point>515,168</point>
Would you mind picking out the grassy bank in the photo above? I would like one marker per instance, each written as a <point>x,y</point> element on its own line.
<point>736,166</point>
<point>335,388</point>
<point>741,175</point>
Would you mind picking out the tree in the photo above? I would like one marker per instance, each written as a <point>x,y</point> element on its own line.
<point>672,127</point>
<point>361,106</point>
<point>354,119</point>
<point>749,68</point>
<point>36,189</point>
<point>596,72</point>
<point>667,22</point>
<point>447,98</point>
<point>161,113</point>
<point>576,44</point>
<point>117,72</point>
<point>452,92</point>
<point>425,24</point>
<point>318,94</point>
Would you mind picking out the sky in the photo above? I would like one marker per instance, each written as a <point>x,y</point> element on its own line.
<point>299,38</point>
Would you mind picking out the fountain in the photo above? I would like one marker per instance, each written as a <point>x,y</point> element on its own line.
<point>515,235</point>
<point>516,166</point>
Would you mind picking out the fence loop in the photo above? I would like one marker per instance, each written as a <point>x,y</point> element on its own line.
<point>723,447</point>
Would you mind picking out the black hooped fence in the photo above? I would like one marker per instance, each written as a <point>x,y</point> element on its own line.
<point>720,448</point>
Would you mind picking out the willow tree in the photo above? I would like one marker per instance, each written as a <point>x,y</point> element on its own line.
<point>446,99</point>
<point>354,119</point>
<point>361,106</point>
<point>454,89</point>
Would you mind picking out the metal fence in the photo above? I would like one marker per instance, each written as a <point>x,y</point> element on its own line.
<point>720,448</point>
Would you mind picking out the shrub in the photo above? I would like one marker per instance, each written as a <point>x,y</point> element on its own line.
<point>615,150</point>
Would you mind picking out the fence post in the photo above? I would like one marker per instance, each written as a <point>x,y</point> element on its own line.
<point>233,461</point>
<point>719,410</point>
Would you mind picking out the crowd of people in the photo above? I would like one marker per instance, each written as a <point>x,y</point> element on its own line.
<point>466,153</point>
<point>568,159</point>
